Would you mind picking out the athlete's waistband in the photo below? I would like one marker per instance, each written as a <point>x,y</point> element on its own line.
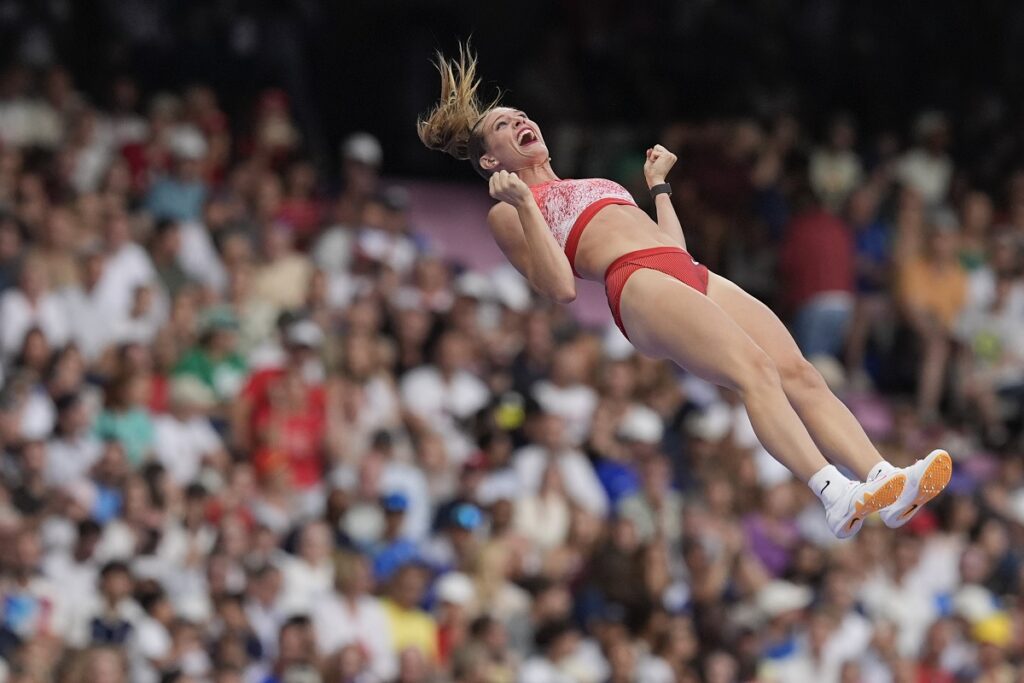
<point>641,253</point>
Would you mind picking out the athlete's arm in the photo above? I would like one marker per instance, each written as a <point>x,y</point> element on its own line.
<point>656,168</point>
<point>523,235</point>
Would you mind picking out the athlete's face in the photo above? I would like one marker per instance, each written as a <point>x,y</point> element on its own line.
<point>512,141</point>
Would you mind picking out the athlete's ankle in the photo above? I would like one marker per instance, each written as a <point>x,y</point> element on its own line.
<point>881,468</point>
<point>828,484</point>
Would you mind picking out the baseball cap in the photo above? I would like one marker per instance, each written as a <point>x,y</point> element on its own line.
<point>362,147</point>
<point>456,588</point>
<point>466,516</point>
<point>304,333</point>
<point>188,143</point>
<point>641,425</point>
<point>394,502</point>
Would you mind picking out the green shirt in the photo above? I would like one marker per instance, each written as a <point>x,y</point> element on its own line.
<point>225,376</point>
<point>133,429</point>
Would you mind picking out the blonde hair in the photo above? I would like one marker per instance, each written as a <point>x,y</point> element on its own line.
<point>450,125</point>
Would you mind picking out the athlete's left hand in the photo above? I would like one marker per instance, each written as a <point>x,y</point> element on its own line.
<point>659,162</point>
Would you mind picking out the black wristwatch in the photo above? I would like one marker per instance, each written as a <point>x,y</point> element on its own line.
<point>661,188</point>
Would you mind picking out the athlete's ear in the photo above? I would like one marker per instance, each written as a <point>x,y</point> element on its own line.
<point>488,163</point>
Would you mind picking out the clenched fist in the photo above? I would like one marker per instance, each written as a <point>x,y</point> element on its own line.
<point>507,187</point>
<point>659,162</point>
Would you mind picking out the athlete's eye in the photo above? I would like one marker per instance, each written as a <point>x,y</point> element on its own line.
<point>500,124</point>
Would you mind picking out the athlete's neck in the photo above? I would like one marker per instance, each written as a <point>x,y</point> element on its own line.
<point>536,174</point>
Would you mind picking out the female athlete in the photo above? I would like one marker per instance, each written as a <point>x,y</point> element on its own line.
<point>667,304</point>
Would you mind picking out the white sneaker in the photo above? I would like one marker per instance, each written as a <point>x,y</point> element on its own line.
<point>925,479</point>
<point>846,515</point>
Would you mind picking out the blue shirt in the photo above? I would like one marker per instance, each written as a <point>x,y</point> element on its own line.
<point>176,199</point>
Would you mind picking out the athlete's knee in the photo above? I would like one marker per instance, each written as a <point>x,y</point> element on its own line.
<point>799,376</point>
<point>755,371</point>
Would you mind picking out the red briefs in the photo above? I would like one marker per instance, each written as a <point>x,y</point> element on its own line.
<point>672,261</point>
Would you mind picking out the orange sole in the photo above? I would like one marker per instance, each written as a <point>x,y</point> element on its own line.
<point>933,481</point>
<point>873,502</point>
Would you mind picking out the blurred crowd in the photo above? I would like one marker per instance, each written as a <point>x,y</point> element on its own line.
<point>255,429</point>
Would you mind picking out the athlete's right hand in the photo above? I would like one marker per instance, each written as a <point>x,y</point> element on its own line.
<point>507,187</point>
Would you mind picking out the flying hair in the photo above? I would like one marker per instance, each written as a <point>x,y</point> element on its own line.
<point>450,126</point>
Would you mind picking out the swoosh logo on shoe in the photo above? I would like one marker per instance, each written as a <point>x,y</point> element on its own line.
<point>910,510</point>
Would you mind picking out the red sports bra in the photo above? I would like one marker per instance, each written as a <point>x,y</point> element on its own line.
<point>568,205</point>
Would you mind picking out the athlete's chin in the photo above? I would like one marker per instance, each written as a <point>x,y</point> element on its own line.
<point>535,153</point>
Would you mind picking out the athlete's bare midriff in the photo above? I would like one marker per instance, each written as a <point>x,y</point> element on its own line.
<point>616,230</point>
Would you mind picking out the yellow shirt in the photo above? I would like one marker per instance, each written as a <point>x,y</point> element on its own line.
<point>412,628</point>
<point>942,291</point>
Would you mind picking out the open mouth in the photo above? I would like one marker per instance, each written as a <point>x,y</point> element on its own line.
<point>527,137</point>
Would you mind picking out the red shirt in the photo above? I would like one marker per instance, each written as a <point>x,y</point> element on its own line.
<point>286,433</point>
<point>817,256</point>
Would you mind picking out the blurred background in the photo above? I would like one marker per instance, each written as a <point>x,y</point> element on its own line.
<point>274,410</point>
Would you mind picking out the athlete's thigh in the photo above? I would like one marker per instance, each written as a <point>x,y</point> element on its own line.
<point>668,319</point>
<point>756,319</point>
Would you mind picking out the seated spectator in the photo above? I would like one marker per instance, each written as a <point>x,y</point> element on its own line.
<point>282,278</point>
<point>31,305</point>
<point>927,167</point>
<point>560,658</point>
<point>296,653</point>
<point>551,444</point>
<point>409,626</point>
<point>443,393</point>
<point>180,195</point>
<point>566,392</point>
<point>354,616</point>
<point>215,361</point>
<point>932,290</point>
<point>656,509</point>
<point>993,359</point>
<point>125,417</point>
<point>816,261</point>
<point>393,550</point>
<point>835,168</point>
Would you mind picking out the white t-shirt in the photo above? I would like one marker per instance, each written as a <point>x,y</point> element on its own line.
<point>930,175</point>
<point>181,445</point>
<point>93,316</point>
<point>333,251</point>
<point>578,477</point>
<point>338,623</point>
<point>304,584</point>
<point>151,641</point>
<point>199,259</point>
<point>441,403</point>
<point>69,458</point>
<point>574,403</point>
<point>124,271</point>
<point>18,316</point>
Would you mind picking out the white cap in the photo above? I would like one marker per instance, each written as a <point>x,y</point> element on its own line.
<point>615,345</point>
<point>641,424</point>
<point>364,148</point>
<point>711,424</point>
<point>780,597</point>
<point>974,603</point>
<point>304,333</point>
<point>510,288</point>
<point>189,391</point>
<point>831,371</point>
<point>456,588</point>
<point>187,143</point>
<point>474,285</point>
